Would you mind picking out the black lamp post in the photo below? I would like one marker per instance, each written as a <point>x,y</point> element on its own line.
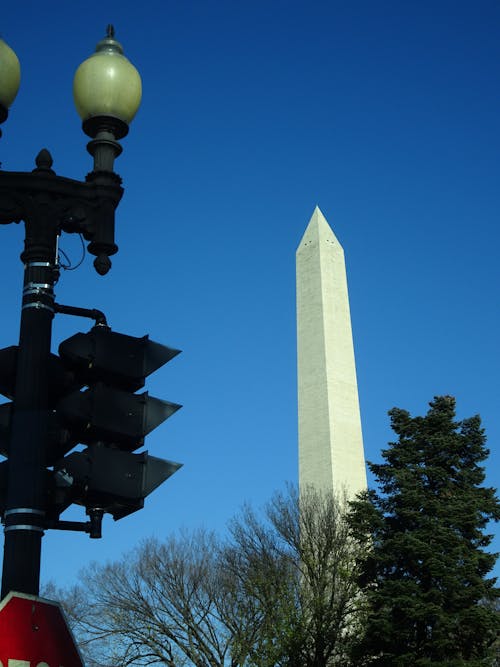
<point>107,92</point>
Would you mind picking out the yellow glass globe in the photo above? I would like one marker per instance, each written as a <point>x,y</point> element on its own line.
<point>10,75</point>
<point>107,84</point>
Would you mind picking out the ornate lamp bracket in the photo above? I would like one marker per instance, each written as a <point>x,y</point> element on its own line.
<point>51,204</point>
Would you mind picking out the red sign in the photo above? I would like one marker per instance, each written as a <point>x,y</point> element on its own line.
<point>34,633</point>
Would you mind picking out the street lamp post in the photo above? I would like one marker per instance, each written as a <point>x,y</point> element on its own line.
<point>107,92</point>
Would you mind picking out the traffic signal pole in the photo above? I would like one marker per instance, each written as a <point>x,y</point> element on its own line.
<point>86,395</point>
<point>24,515</point>
<point>48,204</point>
<point>49,414</point>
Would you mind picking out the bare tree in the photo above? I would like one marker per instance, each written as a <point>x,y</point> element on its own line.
<point>296,578</point>
<point>279,591</point>
<point>160,604</point>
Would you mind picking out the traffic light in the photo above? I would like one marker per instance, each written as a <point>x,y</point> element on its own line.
<point>5,413</point>
<point>8,367</point>
<point>61,382</point>
<point>8,362</point>
<point>116,359</point>
<point>93,402</point>
<point>106,414</point>
<point>61,379</point>
<point>113,480</point>
<point>112,420</point>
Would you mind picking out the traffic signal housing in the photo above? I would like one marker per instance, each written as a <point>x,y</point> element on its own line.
<point>93,401</point>
<point>118,360</point>
<point>113,480</point>
<point>111,419</point>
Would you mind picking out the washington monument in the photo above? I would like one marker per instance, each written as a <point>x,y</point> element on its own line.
<point>331,454</point>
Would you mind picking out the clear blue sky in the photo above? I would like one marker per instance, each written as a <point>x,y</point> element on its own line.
<point>384,113</point>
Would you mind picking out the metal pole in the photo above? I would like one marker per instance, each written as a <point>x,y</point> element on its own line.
<point>26,491</point>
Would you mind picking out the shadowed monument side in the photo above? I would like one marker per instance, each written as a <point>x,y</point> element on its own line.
<point>331,457</point>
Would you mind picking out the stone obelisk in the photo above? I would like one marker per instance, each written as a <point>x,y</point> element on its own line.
<point>331,456</point>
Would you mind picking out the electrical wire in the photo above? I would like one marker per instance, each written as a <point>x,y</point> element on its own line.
<point>68,265</point>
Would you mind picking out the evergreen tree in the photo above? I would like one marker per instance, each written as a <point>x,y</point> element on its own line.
<point>425,573</point>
